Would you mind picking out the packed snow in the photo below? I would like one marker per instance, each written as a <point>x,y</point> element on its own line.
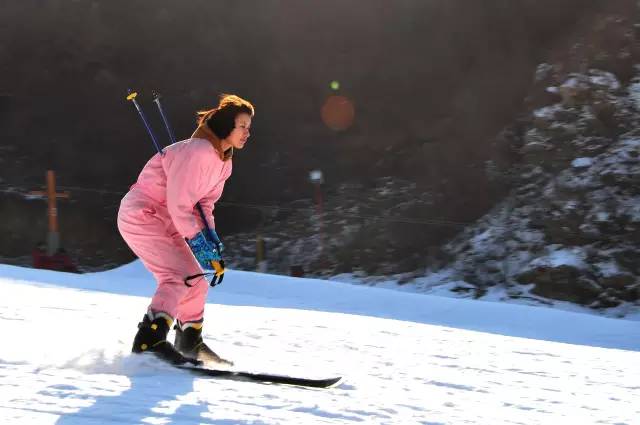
<point>405,358</point>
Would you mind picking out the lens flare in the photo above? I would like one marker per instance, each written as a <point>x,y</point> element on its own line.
<point>338,112</point>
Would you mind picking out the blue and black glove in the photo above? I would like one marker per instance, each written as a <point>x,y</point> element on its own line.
<point>207,249</point>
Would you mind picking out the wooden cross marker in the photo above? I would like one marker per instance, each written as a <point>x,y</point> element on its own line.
<point>53,238</point>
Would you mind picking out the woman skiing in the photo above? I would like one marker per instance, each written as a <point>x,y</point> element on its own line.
<point>159,218</point>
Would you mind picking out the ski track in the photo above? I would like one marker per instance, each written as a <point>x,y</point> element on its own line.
<point>395,372</point>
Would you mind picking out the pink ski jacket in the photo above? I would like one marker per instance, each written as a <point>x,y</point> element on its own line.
<point>189,172</point>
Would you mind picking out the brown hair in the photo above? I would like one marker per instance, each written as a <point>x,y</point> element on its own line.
<point>222,119</point>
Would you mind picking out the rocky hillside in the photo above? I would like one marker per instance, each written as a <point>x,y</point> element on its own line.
<point>569,228</point>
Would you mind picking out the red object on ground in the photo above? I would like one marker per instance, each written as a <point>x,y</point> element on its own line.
<point>60,261</point>
<point>40,259</point>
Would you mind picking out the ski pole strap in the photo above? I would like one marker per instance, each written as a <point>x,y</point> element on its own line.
<point>217,275</point>
<point>194,276</point>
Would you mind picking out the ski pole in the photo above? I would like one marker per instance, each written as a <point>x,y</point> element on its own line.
<point>132,97</point>
<point>156,99</point>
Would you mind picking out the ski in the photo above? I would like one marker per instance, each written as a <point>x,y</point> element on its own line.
<point>261,377</point>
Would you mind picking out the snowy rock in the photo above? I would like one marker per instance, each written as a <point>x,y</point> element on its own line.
<point>582,163</point>
<point>536,147</point>
<point>573,257</point>
<point>617,280</point>
<point>634,93</point>
<point>629,259</point>
<point>590,146</point>
<point>603,79</point>
<point>543,71</point>
<point>547,112</point>
<point>574,91</point>
<point>561,282</point>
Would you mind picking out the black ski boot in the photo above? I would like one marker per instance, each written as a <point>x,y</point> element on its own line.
<point>152,337</point>
<point>189,342</point>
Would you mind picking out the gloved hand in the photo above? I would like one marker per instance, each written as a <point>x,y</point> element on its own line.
<point>212,237</point>
<point>208,254</point>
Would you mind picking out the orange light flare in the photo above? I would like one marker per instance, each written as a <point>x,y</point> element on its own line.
<point>338,112</point>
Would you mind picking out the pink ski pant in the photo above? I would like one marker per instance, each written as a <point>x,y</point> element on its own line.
<point>148,230</point>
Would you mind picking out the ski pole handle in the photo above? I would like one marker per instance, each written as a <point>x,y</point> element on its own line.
<point>132,97</point>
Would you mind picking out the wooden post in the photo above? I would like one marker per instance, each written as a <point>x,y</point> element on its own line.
<point>259,249</point>
<point>260,264</point>
<point>53,237</point>
<point>320,218</point>
<point>317,178</point>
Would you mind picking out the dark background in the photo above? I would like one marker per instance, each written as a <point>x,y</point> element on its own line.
<point>432,82</point>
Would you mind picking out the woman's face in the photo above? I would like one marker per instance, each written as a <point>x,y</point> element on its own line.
<point>239,135</point>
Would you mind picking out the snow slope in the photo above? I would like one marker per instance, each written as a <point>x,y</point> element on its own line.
<point>406,358</point>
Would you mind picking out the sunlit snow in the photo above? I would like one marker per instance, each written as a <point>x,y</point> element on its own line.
<point>406,358</point>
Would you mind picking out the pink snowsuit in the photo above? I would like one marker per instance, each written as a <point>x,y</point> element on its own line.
<point>159,212</point>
